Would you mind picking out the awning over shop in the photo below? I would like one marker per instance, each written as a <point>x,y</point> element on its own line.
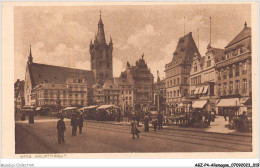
<point>70,108</point>
<point>232,102</point>
<point>107,106</point>
<point>38,108</point>
<point>196,91</point>
<point>180,105</point>
<point>199,104</point>
<point>88,107</point>
<point>246,100</point>
<point>205,89</point>
<point>200,90</point>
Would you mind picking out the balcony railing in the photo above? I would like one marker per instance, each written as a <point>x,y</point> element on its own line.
<point>244,72</point>
<point>237,73</point>
<point>230,75</point>
<point>230,92</point>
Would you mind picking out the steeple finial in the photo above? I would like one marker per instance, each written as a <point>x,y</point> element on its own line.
<point>110,39</point>
<point>142,56</point>
<point>245,24</point>
<point>184,27</point>
<point>91,42</point>
<point>30,58</point>
<point>100,13</point>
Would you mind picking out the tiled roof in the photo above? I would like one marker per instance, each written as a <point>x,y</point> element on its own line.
<point>50,86</point>
<point>42,73</point>
<point>121,81</point>
<point>246,32</point>
<point>109,85</point>
<point>218,53</point>
<point>186,47</point>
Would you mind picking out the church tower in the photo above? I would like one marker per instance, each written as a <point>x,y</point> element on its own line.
<point>101,55</point>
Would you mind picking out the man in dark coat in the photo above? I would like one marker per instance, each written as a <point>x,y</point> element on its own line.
<point>31,117</point>
<point>160,121</point>
<point>80,123</point>
<point>74,124</point>
<point>146,123</point>
<point>61,129</point>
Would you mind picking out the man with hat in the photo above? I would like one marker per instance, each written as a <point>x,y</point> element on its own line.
<point>74,124</point>
<point>61,129</point>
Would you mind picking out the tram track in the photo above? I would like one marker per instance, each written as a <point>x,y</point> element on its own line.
<point>196,140</point>
<point>238,138</point>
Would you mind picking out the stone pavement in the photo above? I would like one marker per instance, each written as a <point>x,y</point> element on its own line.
<point>218,126</point>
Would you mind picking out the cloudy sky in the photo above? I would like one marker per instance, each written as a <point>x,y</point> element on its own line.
<point>61,35</point>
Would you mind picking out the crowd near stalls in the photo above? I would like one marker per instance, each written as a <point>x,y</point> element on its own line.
<point>108,113</point>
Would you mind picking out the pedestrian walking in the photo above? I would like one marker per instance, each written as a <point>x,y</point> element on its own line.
<point>61,129</point>
<point>146,123</point>
<point>225,115</point>
<point>230,116</point>
<point>80,123</point>
<point>155,125</point>
<point>74,124</point>
<point>134,129</point>
<point>160,121</point>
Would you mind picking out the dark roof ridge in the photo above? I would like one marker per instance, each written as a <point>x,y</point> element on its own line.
<point>60,67</point>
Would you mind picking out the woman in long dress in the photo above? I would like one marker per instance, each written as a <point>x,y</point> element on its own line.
<point>146,123</point>
<point>134,129</point>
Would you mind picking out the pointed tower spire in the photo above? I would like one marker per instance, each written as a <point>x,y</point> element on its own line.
<point>158,77</point>
<point>245,24</point>
<point>30,58</point>
<point>95,41</point>
<point>91,42</point>
<point>110,40</point>
<point>101,34</point>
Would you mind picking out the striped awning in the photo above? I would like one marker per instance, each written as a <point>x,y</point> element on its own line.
<point>232,102</point>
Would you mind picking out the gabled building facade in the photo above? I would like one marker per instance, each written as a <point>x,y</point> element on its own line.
<point>126,96</point>
<point>141,78</point>
<point>43,81</point>
<point>177,73</point>
<point>234,74</point>
<point>202,79</point>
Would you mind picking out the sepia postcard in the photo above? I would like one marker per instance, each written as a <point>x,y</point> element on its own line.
<point>129,80</point>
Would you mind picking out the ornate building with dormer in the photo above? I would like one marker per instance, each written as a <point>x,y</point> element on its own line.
<point>101,55</point>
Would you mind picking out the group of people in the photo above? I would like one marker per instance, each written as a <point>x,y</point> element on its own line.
<point>157,123</point>
<point>203,116</point>
<point>239,122</point>
<point>76,121</point>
